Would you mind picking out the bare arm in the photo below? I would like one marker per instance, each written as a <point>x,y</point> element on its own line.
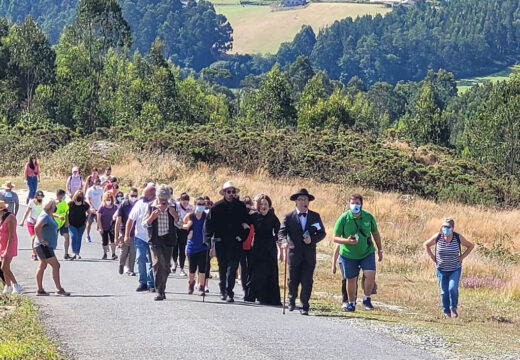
<point>11,230</point>
<point>129,225</point>
<point>25,216</point>
<point>346,241</point>
<point>117,227</point>
<point>467,244</point>
<point>335,258</point>
<point>428,244</point>
<point>38,231</point>
<point>377,239</point>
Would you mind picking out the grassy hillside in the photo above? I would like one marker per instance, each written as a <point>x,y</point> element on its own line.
<point>258,29</point>
<point>465,84</point>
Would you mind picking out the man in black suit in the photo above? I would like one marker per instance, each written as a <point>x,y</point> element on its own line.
<point>301,230</point>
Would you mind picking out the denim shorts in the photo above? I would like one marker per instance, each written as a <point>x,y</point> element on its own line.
<point>350,267</point>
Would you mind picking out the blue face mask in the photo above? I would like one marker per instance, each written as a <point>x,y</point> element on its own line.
<point>8,194</point>
<point>119,199</point>
<point>446,231</point>
<point>355,208</point>
<point>201,208</point>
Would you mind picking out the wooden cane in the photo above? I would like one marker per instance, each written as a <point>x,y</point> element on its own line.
<point>284,280</point>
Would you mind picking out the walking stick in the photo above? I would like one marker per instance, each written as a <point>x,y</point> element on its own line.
<point>284,279</point>
<point>206,275</point>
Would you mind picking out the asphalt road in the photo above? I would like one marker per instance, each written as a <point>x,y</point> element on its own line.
<point>105,318</point>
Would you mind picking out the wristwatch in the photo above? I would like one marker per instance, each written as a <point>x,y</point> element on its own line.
<point>381,251</point>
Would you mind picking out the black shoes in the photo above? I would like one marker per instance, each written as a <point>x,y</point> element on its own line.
<point>230,300</point>
<point>223,297</point>
<point>121,269</point>
<point>104,256</point>
<point>142,287</point>
<point>292,307</point>
<point>367,303</point>
<point>151,289</point>
<point>304,312</point>
<point>159,298</point>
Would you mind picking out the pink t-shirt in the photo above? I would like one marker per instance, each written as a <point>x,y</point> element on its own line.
<point>30,172</point>
<point>4,237</point>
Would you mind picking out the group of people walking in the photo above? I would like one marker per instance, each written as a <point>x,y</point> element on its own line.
<point>156,233</point>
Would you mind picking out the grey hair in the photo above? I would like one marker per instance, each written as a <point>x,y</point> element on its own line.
<point>49,204</point>
<point>164,192</point>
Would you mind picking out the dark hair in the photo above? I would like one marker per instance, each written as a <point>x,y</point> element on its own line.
<point>185,196</point>
<point>60,192</point>
<point>39,193</point>
<point>134,189</point>
<point>94,169</point>
<point>200,198</point>
<point>266,198</point>
<point>356,197</point>
<point>116,186</point>
<point>247,200</point>
<point>31,162</point>
<point>113,180</point>
<point>108,168</point>
<point>207,198</point>
<point>120,193</point>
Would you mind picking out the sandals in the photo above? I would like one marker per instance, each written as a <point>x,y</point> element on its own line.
<point>42,293</point>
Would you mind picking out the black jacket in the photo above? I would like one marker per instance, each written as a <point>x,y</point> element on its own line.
<point>153,237</point>
<point>224,222</point>
<point>292,232</point>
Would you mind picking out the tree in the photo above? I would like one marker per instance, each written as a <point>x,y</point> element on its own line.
<point>299,73</point>
<point>31,57</point>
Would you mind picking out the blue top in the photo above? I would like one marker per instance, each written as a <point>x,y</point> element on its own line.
<point>49,231</point>
<point>196,243</point>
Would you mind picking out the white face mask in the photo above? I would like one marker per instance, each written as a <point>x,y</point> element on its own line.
<point>133,199</point>
<point>108,203</point>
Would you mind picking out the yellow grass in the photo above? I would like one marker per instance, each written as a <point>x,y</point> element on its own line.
<point>257,29</point>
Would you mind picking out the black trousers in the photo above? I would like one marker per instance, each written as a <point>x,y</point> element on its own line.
<point>301,272</point>
<point>228,257</point>
<point>161,255</point>
<point>245,269</point>
<point>179,251</point>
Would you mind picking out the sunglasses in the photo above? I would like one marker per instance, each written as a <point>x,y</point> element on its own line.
<point>231,191</point>
<point>446,227</point>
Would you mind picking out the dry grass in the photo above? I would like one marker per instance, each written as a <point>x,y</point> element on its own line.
<point>408,291</point>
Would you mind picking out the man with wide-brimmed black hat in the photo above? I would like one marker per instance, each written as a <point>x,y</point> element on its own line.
<point>301,230</point>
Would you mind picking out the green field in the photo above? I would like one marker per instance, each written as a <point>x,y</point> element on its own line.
<point>465,84</point>
<point>258,29</point>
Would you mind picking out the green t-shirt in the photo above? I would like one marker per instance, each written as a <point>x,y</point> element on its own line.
<point>61,209</point>
<point>346,226</point>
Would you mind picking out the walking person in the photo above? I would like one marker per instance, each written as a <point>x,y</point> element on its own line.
<point>160,220</point>
<point>89,181</point>
<point>143,256</point>
<point>344,296</point>
<point>34,209</point>
<point>94,197</point>
<point>127,257</point>
<point>196,249</point>
<point>107,177</point>
<point>8,249</point>
<point>448,258</point>
<point>74,182</point>
<point>62,208</point>
<point>354,231</point>
<point>263,280</point>
<point>77,217</point>
<point>183,208</point>
<point>105,224</point>
<point>227,225</point>
<point>46,230</point>
<point>32,176</point>
<point>10,198</point>
<point>301,230</point>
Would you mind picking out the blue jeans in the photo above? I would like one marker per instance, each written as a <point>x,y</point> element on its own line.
<point>32,183</point>
<point>144,262</point>
<point>76,233</point>
<point>449,284</point>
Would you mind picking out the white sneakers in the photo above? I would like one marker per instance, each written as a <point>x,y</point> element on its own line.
<point>15,289</point>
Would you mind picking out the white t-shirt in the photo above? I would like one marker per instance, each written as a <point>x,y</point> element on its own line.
<point>36,210</point>
<point>94,196</point>
<point>137,215</point>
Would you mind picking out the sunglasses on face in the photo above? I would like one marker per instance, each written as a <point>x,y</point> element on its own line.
<point>231,191</point>
<point>446,227</point>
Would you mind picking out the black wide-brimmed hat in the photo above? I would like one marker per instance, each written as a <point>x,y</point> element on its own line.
<point>302,192</point>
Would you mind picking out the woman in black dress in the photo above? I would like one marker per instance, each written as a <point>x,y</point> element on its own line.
<point>263,280</point>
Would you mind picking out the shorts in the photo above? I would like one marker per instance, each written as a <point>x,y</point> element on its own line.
<point>350,267</point>
<point>197,261</point>
<point>44,252</point>
<point>92,218</point>
<point>30,228</point>
<point>63,230</point>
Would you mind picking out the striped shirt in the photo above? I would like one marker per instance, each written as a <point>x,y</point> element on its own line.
<point>447,253</point>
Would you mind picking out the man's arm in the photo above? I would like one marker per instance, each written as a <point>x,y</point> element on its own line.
<point>282,233</point>
<point>16,205</point>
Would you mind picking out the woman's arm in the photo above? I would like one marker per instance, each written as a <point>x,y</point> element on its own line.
<point>428,244</point>
<point>25,215</point>
<point>26,172</point>
<point>98,220</point>
<point>37,168</point>
<point>11,229</point>
<point>38,231</point>
<point>187,223</point>
<point>468,245</point>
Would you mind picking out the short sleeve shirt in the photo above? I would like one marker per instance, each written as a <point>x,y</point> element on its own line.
<point>61,209</point>
<point>95,194</point>
<point>49,231</point>
<point>137,215</point>
<point>77,214</point>
<point>364,225</point>
<point>10,198</point>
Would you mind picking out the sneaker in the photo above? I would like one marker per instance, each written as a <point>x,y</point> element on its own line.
<point>351,307</point>
<point>131,273</point>
<point>121,269</point>
<point>367,303</point>
<point>89,239</point>
<point>191,287</point>
<point>79,257</point>
<point>142,287</point>
<point>304,312</point>
<point>230,300</point>
<point>73,258</point>
<point>17,289</point>
<point>151,289</point>
<point>454,313</point>
<point>206,289</point>
<point>42,293</point>
<point>104,256</point>
<point>66,257</point>
<point>114,257</point>
<point>344,306</point>
<point>292,307</point>
<point>174,267</point>
<point>159,298</point>
<point>62,292</point>
<point>183,273</point>
<point>34,257</point>
<point>447,314</point>
<point>202,291</point>
<point>223,297</point>
<point>7,290</point>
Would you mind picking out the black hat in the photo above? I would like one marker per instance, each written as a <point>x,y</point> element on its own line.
<point>302,192</point>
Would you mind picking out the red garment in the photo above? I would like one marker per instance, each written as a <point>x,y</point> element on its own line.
<point>30,172</point>
<point>246,245</point>
<point>4,237</point>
